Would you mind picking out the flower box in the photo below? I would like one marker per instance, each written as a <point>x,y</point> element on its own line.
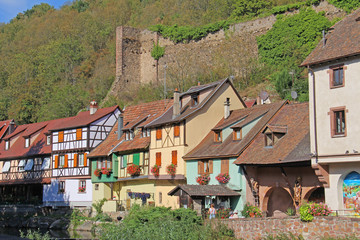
<point>223,178</point>
<point>106,171</point>
<point>171,169</point>
<point>133,170</point>
<point>203,179</point>
<point>82,189</point>
<point>155,170</point>
<point>97,172</point>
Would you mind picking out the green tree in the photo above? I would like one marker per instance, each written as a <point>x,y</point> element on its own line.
<point>250,8</point>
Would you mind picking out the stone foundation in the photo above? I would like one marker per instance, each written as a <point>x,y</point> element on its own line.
<point>257,228</point>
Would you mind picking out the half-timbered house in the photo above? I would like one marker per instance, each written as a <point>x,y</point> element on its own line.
<point>71,140</point>
<point>127,146</point>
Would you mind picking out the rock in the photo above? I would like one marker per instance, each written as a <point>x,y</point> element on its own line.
<point>31,223</point>
<point>61,223</point>
<point>45,222</point>
<point>85,226</point>
<point>2,224</point>
<point>279,214</point>
<point>13,222</point>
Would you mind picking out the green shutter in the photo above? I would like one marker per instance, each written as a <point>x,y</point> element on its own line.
<point>124,161</point>
<point>136,158</point>
<point>115,164</point>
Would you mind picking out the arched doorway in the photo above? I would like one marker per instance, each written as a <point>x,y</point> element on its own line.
<point>351,191</point>
<point>316,195</point>
<point>279,199</point>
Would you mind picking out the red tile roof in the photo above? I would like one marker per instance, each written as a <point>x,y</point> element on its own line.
<point>208,148</point>
<point>132,116</point>
<point>342,41</point>
<point>82,119</point>
<point>250,103</point>
<point>293,146</point>
<point>4,125</point>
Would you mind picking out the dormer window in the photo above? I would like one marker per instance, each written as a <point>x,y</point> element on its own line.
<point>48,139</point>
<point>7,145</point>
<point>148,132</point>
<point>143,132</point>
<point>237,134</point>
<point>218,136</point>
<point>27,142</point>
<point>131,133</point>
<point>269,140</point>
<point>127,136</point>
<point>194,100</point>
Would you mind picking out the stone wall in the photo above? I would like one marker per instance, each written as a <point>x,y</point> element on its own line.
<point>256,228</point>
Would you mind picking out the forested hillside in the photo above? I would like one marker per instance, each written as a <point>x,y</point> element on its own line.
<point>53,62</point>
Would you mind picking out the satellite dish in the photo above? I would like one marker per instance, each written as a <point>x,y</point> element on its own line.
<point>264,95</point>
<point>294,94</point>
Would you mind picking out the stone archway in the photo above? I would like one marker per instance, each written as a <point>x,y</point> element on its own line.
<point>278,199</point>
<point>316,194</point>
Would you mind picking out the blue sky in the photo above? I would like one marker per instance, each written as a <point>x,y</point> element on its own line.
<point>10,8</point>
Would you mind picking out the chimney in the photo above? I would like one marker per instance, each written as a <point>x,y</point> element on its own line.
<point>323,38</point>
<point>93,107</point>
<point>259,101</point>
<point>11,127</point>
<point>227,108</point>
<point>120,126</point>
<point>176,105</point>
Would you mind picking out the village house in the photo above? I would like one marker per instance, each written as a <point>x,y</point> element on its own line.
<point>334,70</point>
<point>277,165</point>
<point>215,154</point>
<point>182,127</point>
<point>120,164</point>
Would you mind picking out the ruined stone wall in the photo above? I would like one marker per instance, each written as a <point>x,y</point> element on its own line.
<point>256,228</point>
<point>232,50</point>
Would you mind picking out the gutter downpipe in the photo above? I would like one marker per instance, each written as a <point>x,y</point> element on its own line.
<point>314,109</point>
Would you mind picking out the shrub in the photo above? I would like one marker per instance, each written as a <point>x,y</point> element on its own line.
<point>223,178</point>
<point>98,205</point>
<point>290,212</point>
<point>35,235</point>
<point>157,52</point>
<point>305,214</point>
<point>309,210</point>
<point>251,211</point>
<point>223,213</point>
<point>155,170</point>
<point>203,179</point>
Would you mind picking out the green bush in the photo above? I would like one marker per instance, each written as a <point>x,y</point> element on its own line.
<point>35,235</point>
<point>305,214</point>
<point>157,52</point>
<point>251,211</point>
<point>290,212</point>
<point>347,5</point>
<point>250,8</point>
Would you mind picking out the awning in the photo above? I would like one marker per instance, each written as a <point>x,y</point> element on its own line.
<point>29,165</point>
<point>45,164</point>
<point>6,167</point>
<point>204,190</point>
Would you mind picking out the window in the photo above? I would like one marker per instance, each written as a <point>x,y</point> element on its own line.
<point>158,134</point>
<point>61,187</point>
<point>338,122</point>
<point>80,161</point>
<point>123,161</point>
<point>127,136</point>
<point>269,139</point>
<point>78,134</point>
<point>174,157</point>
<point>27,142</point>
<point>143,132</point>
<point>205,166</point>
<point>158,158</point>
<point>21,165</point>
<point>148,132</point>
<point>337,76</point>
<point>177,130</point>
<point>61,137</point>
<point>218,136</point>
<point>194,100</point>
<point>104,163</point>
<point>237,134</point>
<point>61,161</point>
<point>96,186</point>
<point>82,186</point>
<point>7,145</point>
<point>48,140</point>
<point>131,135</point>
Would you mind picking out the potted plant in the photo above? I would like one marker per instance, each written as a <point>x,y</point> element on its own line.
<point>106,171</point>
<point>223,178</point>
<point>82,189</point>
<point>97,172</point>
<point>155,170</point>
<point>203,179</point>
<point>171,169</point>
<point>133,170</point>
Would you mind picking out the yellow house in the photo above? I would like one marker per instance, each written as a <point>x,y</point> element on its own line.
<point>182,127</point>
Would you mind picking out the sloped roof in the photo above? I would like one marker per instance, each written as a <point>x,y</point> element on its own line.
<point>342,41</point>
<point>208,148</point>
<point>142,113</point>
<point>293,146</point>
<point>4,125</point>
<point>186,110</point>
<point>82,119</point>
<point>205,190</point>
<point>250,103</point>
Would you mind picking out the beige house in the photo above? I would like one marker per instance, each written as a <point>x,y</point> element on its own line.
<point>334,83</point>
<point>182,127</point>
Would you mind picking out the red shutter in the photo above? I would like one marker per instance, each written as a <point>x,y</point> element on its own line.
<point>75,160</point>
<point>78,134</point>
<point>177,130</point>
<point>56,161</point>
<point>174,157</point>
<point>158,158</point>
<point>158,134</point>
<point>85,159</point>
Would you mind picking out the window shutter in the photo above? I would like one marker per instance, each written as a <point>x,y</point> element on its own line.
<point>177,130</point>
<point>200,167</point>
<point>61,136</point>
<point>224,166</point>
<point>66,161</point>
<point>85,159</point>
<point>78,134</point>
<point>56,161</point>
<point>75,160</point>
<point>174,157</point>
<point>158,158</point>
<point>210,166</point>
<point>158,134</point>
